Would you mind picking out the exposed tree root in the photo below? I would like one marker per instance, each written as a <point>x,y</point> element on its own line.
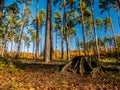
<point>84,66</point>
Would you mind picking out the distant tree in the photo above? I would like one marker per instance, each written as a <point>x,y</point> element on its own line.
<point>25,14</point>
<point>12,14</point>
<point>91,4</point>
<point>82,9</point>
<point>108,28</point>
<point>62,5</point>
<point>26,39</point>
<point>58,28</point>
<point>105,5</point>
<point>33,38</point>
<point>99,25</point>
<point>41,21</point>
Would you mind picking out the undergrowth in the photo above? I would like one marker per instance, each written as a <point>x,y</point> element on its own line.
<point>8,66</point>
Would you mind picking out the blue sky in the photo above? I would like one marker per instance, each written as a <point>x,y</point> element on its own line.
<point>42,5</point>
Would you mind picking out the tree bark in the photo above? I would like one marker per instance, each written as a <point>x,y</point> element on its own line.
<point>67,33</point>
<point>37,32</point>
<point>68,45</point>
<point>48,32</point>
<point>83,29</point>
<point>51,33</point>
<point>62,34</point>
<point>62,44</point>
<point>56,44</point>
<point>1,10</point>
<point>41,41</point>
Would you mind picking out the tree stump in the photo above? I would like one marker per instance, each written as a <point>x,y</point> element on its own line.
<point>83,66</point>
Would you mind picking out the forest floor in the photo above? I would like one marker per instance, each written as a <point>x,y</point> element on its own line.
<point>20,75</point>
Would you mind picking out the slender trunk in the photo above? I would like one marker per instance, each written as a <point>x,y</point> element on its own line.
<point>62,32</point>
<point>47,38</point>
<point>11,46</point>
<point>67,33</point>
<point>115,42</point>
<point>62,44</point>
<point>95,34</point>
<point>37,32</point>
<point>27,51</point>
<point>41,41</point>
<point>56,44</point>
<point>88,49</point>
<point>33,46</point>
<point>102,37</point>
<point>83,29</point>
<point>68,45</point>
<point>109,40</point>
<point>6,36</point>
<point>77,46</point>
<point>21,30</point>
<point>1,10</point>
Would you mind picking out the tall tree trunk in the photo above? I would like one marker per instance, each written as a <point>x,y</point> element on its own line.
<point>34,44</point>
<point>48,30</point>
<point>51,33</point>
<point>41,41</point>
<point>62,44</point>
<point>67,33</point>
<point>21,31</point>
<point>62,31</point>
<point>77,46</point>
<point>56,45</point>
<point>95,34</point>
<point>68,45</point>
<point>1,10</point>
<point>33,47</point>
<point>37,32</point>
<point>83,29</point>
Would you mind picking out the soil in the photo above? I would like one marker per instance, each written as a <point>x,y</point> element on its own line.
<point>47,77</point>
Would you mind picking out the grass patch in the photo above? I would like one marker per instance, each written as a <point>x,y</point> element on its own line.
<point>8,66</point>
<point>111,65</point>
